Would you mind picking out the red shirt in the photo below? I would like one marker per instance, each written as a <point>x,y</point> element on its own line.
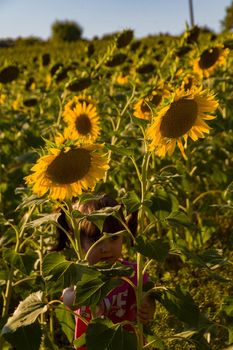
<point>119,305</point>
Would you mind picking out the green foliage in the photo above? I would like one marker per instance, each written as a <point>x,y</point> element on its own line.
<point>66,31</point>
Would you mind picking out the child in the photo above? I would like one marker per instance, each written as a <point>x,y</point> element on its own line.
<point>120,304</point>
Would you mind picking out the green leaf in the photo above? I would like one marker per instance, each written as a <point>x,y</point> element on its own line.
<point>140,122</point>
<point>103,334</point>
<point>208,258</point>
<point>30,201</point>
<point>92,289</point>
<point>116,270</point>
<point>66,320</point>
<point>55,266</point>
<point>26,313</point>
<point>157,249</point>
<point>120,150</point>
<point>131,201</point>
<point>24,262</point>
<point>98,217</point>
<point>178,218</point>
<point>24,337</point>
<point>227,306</point>
<point>44,219</point>
<point>181,304</point>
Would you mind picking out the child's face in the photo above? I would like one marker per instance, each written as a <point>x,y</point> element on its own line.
<point>108,250</point>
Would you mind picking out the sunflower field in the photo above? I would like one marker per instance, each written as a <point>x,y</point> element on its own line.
<point>150,122</point>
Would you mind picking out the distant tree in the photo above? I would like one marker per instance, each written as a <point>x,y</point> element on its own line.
<point>66,31</point>
<point>227,22</point>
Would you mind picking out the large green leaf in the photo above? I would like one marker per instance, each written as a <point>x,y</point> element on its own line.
<point>96,285</point>
<point>103,334</point>
<point>157,249</point>
<point>181,304</point>
<point>92,289</point>
<point>26,313</point>
<point>55,266</point>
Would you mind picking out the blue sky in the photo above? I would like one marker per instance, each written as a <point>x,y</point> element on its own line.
<point>97,17</point>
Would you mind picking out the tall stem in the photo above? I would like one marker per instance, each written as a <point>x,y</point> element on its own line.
<point>78,245</point>
<point>145,163</point>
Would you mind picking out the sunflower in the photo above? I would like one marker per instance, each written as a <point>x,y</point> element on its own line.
<point>183,117</point>
<point>143,108</point>
<point>77,99</point>
<point>67,171</point>
<point>83,121</point>
<point>209,60</point>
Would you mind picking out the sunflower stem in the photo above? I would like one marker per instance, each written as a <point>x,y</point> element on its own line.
<point>77,246</point>
<point>140,259</point>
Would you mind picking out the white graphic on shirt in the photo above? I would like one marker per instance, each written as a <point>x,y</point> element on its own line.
<point>117,304</point>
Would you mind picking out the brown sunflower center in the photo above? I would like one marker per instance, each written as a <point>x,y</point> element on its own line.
<point>156,99</point>
<point>179,119</point>
<point>69,167</point>
<point>209,58</point>
<point>144,107</point>
<point>83,124</point>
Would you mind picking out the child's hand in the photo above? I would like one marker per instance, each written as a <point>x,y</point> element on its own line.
<point>68,296</point>
<point>146,310</point>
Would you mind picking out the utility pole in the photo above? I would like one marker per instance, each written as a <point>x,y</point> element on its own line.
<point>191,13</point>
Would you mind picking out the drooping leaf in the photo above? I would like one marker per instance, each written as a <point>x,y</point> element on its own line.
<point>26,313</point>
<point>44,219</point>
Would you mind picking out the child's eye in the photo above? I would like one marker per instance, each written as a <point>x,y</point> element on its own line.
<point>114,238</point>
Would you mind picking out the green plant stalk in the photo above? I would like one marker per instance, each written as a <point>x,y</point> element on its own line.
<point>9,283</point>
<point>78,245</point>
<point>145,163</point>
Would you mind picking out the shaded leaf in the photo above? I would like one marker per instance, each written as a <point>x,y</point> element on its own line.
<point>27,312</point>
<point>66,320</point>
<point>103,334</point>
<point>55,266</point>
<point>157,249</point>
<point>24,337</point>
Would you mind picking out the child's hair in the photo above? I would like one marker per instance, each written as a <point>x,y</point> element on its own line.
<point>111,224</point>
